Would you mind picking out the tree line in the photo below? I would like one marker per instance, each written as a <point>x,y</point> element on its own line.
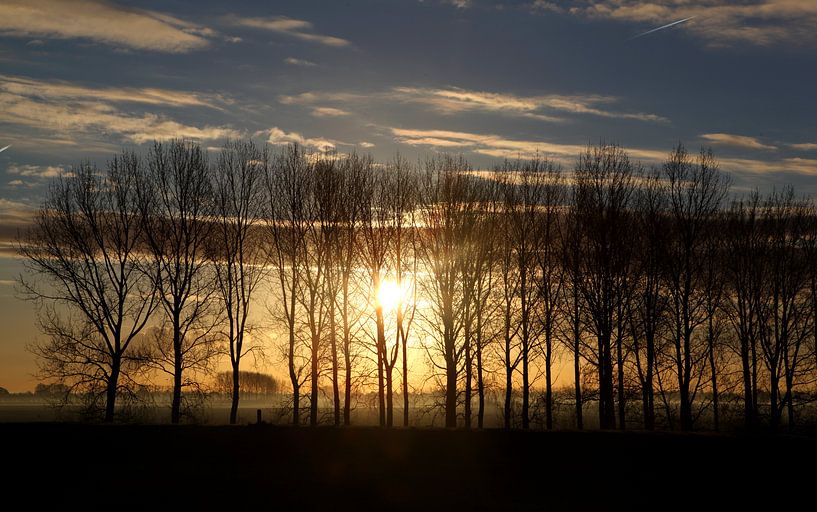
<point>663,290</point>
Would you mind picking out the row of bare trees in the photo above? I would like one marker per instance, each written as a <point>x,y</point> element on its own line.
<point>651,285</point>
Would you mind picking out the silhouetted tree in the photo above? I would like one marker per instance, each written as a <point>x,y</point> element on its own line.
<point>446,192</point>
<point>695,191</point>
<point>175,202</point>
<point>84,255</point>
<point>603,194</point>
<point>287,187</point>
<point>237,253</point>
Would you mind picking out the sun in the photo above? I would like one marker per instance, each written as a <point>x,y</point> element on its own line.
<point>390,295</point>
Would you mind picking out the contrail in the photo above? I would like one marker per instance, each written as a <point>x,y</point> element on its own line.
<point>5,148</point>
<point>668,25</point>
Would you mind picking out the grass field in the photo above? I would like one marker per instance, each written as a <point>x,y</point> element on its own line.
<point>99,467</point>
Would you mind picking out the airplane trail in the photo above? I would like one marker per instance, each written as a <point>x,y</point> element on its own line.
<point>668,25</point>
<point>5,148</point>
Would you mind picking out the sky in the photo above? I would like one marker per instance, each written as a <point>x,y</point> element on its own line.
<point>82,79</point>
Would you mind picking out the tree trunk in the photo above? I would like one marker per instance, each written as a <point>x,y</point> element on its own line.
<point>649,391</point>
<point>747,382</point>
<point>451,393</point>
<point>606,402</point>
<point>334,346</point>
<point>468,370</point>
<point>548,382</point>
<point>525,387</point>
<point>508,384</point>
<point>313,397</point>
<point>389,396</point>
<point>480,389</point>
<point>113,384</point>
<point>293,378</point>
<point>405,385</point>
<point>381,360</point>
<point>713,371</point>
<point>236,388</point>
<point>347,356</point>
<point>176,403</point>
<point>577,361</point>
<point>622,420</point>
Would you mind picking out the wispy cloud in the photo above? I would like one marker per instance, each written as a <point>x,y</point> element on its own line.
<point>68,110</point>
<point>292,61</point>
<point>485,144</point>
<point>102,22</point>
<point>36,171</point>
<point>449,101</point>
<point>290,27</point>
<point>278,137</point>
<point>740,141</point>
<point>315,97</point>
<point>499,146</point>
<point>149,96</point>
<point>328,112</point>
<point>452,100</point>
<point>718,22</point>
<point>806,146</point>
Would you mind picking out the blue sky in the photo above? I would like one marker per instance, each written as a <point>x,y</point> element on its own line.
<point>82,79</point>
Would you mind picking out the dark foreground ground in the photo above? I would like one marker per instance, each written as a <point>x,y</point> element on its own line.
<point>95,467</point>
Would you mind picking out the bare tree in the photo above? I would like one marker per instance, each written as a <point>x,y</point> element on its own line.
<point>479,309</point>
<point>287,188</point>
<point>647,309</point>
<point>355,170</point>
<point>550,274</point>
<point>603,194</point>
<point>175,202</point>
<point>374,250</point>
<point>446,193</point>
<point>745,282</point>
<point>237,252</point>
<point>695,192</point>
<point>784,306</point>
<point>510,353</point>
<point>85,246</point>
<point>401,203</point>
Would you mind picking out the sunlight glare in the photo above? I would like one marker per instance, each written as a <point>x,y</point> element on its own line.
<point>390,295</point>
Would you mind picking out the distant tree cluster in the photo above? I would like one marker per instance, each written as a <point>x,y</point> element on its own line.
<point>668,296</point>
<point>252,383</point>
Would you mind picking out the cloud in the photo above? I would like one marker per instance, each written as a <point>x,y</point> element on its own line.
<point>328,112</point>
<point>69,110</point>
<point>543,5</point>
<point>453,100</point>
<point>313,97</point>
<point>485,144</point>
<point>17,183</point>
<point>279,137</point>
<point>102,22</point>
<point>718,22</point>
<point>149,96</point>
<point>741,141</point>
<point>807,146</point>
<point>36,171</point>
<point>298,29</point>
<point>292,61</point>
<point>499,146</point>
